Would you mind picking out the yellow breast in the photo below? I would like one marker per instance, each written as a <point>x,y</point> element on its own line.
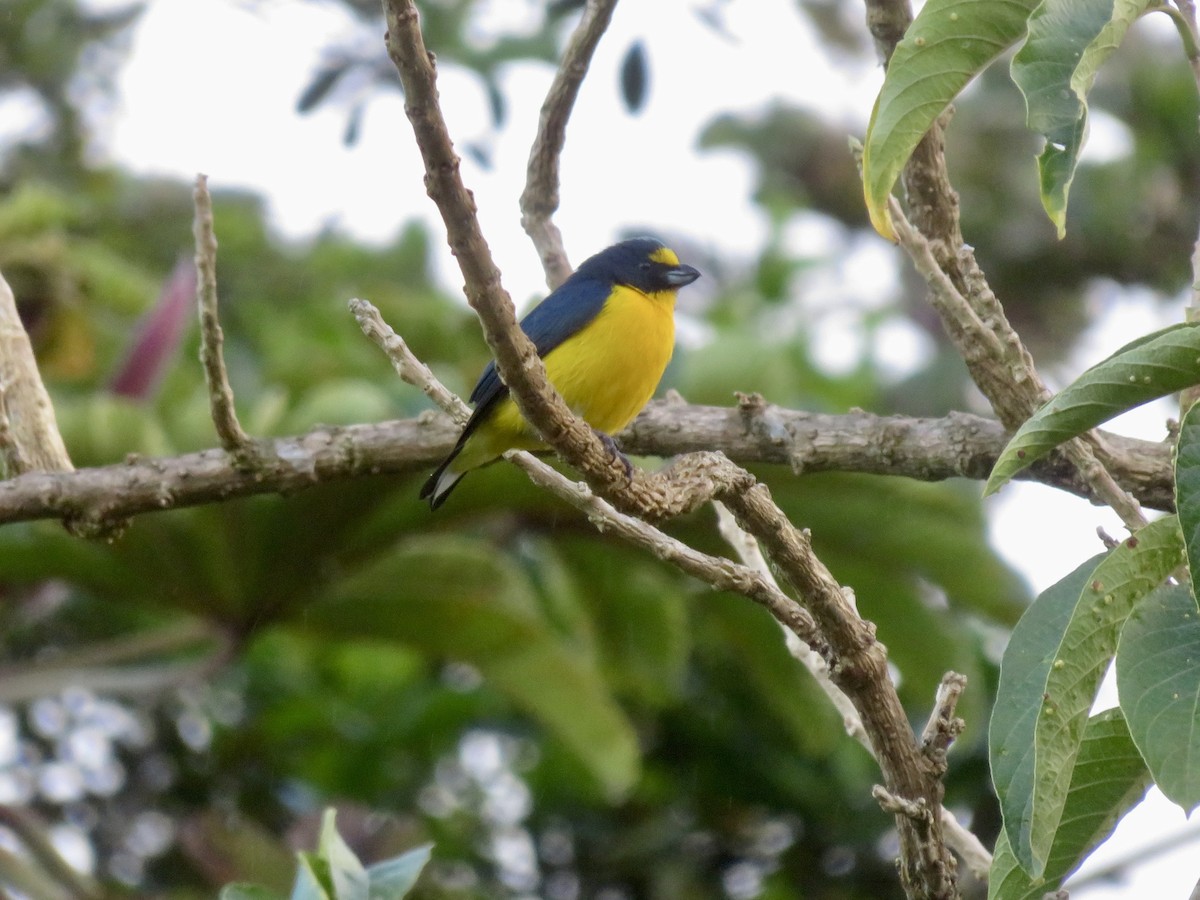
<point>606,373</point>
<point>610,369</point>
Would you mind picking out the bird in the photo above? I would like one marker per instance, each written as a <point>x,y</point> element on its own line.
<point>605,334</point>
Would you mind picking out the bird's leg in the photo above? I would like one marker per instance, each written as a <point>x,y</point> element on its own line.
<point>611,446</point>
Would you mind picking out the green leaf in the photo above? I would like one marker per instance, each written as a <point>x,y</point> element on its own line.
<point>1051,670</point>
<point>1150,367</point>
<point>948,44</point>
<point>393,878</point>
<point>1027,659</point>
<point>245,891</point>
<point>451,597</point>
<point>1158,677</point>
<point>1108,779</point>
<point>1187,487</point>
<point>1068,40</point>
<point>346,873</point>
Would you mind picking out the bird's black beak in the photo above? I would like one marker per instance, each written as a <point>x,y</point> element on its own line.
<point>678,276</point>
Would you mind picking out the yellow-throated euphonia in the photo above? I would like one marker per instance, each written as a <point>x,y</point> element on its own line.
<point>606,336</point>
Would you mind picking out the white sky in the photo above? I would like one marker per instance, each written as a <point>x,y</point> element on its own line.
<point>212,88</point>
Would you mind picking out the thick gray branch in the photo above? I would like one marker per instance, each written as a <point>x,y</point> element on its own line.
<point>29,437</point>
<point>926,449</point>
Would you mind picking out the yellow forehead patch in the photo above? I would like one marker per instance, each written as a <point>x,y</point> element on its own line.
<point>666,256</point>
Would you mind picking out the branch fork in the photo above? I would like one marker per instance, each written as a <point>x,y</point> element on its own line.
<point>857,661</point>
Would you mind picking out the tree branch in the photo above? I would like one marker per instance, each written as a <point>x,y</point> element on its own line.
<point>212,339</point>
<point>29,436</point>
<point>517,360</point>
<point>998,361</point>
<point>959,445</point>
<point>539,200</point>
<point>939,732</point>
<point>858,663</point>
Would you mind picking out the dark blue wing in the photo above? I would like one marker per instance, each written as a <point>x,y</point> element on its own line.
<point>560,315</point>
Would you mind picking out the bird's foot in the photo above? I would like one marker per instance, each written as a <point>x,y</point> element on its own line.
<point>611,446</point>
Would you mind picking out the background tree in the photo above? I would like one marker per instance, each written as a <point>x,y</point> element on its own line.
<point>556,710</point>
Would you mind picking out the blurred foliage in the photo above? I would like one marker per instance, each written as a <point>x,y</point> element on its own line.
<point>59,55</point>
<point>557,712</point>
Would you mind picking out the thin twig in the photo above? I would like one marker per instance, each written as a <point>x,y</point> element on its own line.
<point>917,810</point>
<point>748,551</point>
<point>405,362</point>
<point>539,200</point>
<point>212,338</point>
<point>943,726</point>
<point>517,360</point>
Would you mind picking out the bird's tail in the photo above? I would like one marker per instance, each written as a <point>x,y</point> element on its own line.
<point>439,485</point>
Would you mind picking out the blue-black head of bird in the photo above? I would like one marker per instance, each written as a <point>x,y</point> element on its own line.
<point>644,263</point>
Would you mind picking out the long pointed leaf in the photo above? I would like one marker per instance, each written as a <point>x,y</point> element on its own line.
<point>1051,670</point>
<point>1158,677</point>
<point>1187,487</point>
<point>1144,370</point>
<point>948,44</point>
<point>1068,40</point>
<point>1109,778</point>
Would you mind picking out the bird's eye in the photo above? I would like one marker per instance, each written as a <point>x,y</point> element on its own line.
<point>645,267</point>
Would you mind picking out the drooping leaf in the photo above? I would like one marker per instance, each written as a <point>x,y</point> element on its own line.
<point>1150,367</point>
<point>1187,487</point>
<point>948,44</point>
<point>1049,676</point>
<point>1108,779</point>
<point>1030,652</point>
<point>1158,677</point>
<point>1068,40</point>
